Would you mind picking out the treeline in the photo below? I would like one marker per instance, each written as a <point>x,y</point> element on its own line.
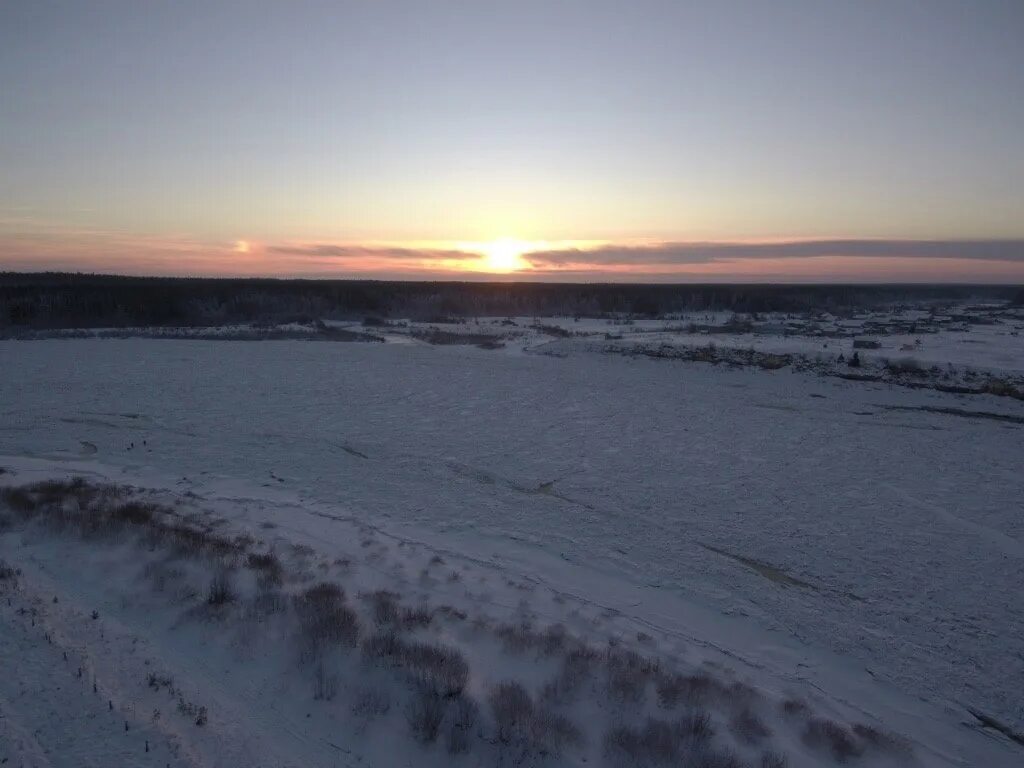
<point>60,300</point>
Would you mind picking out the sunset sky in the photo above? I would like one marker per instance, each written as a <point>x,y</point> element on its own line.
<point>795,140</point>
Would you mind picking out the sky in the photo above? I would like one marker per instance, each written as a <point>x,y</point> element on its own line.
<point>785,140</point>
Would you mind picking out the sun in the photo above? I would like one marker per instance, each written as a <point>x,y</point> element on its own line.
<point>504,255</point>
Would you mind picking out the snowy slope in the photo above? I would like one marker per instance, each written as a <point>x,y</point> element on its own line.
<point>821,537</point>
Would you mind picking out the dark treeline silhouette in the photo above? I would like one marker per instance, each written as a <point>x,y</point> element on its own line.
<point>60,300</point>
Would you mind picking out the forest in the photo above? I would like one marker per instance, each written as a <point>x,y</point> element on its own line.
<point>64,300</point>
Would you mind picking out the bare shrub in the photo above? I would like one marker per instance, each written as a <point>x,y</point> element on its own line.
<point>656,743</point>
<point>459,722</point>
<point>904,366</point>
<point>370,703</point>
<point>384,647</point>
<point>451,612</point>
<point>435,667</point>
<point>629,674</point>
<point>794,706</point>
<point>325,683</point>
<point>717,759</point>
<point>8,572</point>
<point>659,742</point>
<point>1002,388</point>
<point>828,735</point>
<point>882,741</point>
<point>136,512</point>
<point>695,729</point>
<point>698,690</point>
<point>157,681</point>
<point>196,542</point>
<point>517,638</point>
<point>576,669</point>
<point>513,711</point>
<point>748,728</point>
<point>553,640</point>
<point>669,687</point>
<point>324,618</point>
<point>268,568</point>
<point>19,500</point>
<point>221,590</point>
<point>384,605</point>
<point>773,760</point>
<point>553,732</point>
<point>527,728</point>
<point>410,618</point>
<point>425,713</point>
<point>160,574</point>
<point>387,611</point>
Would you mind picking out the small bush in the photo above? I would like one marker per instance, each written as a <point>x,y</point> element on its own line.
<point>629,674</point>
<point>906,366</point>
<point>371,703</point>
<point>576,669</point>
<point>794,706</point>
<point>387,611</point>
<point>882,741</point>
<point>156,682</point>
<point>517,638</point>
<point>1003,388</point>
<point>19,500</point>
<point>135,512</point>
<point>384,647</point>
<point>748,728</point>
<point>384,605</point>
<point>532,730</point>
<point>325,684</point>
<point>773,760</point>
<point>437,668</point>
<point>325,619</point>
<point>268,569</point>
<point>656,743</point>
<point>221,590</point>
<point>432,667</point>
<point>512,710</point>
<point>425,713</point>
<point>828,735</point>
<point>459,722</point>
<point>717,759</point>
<point>695,729</point>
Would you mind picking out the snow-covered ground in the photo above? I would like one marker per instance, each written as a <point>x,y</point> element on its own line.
<point>816,538</point>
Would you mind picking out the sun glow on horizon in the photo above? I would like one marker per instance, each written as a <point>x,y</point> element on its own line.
<point>505,255</point>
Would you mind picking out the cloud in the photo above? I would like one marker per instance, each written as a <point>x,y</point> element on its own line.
<point>359,253</point>
<point>696,253</point>
<point>27,248</point>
